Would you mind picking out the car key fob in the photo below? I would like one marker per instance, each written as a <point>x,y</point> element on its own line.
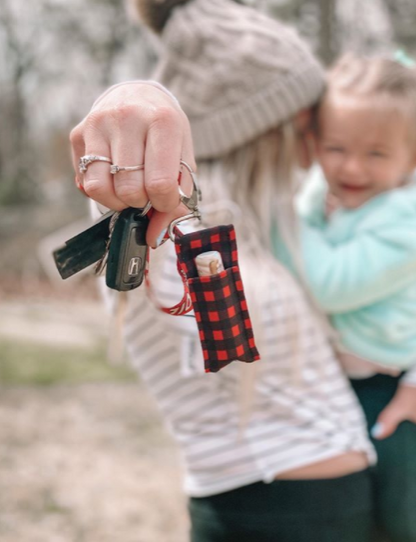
<point>127,251</point>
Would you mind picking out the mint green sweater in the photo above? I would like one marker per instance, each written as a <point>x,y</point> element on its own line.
<point>361,268</point>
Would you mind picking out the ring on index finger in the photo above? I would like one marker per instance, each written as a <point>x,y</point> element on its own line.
<point>88,159</point>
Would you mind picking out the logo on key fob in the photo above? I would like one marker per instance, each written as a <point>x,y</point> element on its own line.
<point>134,267</point>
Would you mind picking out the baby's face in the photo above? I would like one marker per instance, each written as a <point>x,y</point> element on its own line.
<point>364,149</point>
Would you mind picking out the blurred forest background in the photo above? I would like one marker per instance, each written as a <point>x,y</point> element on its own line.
<point>57,56</point>
<point>83,455</point>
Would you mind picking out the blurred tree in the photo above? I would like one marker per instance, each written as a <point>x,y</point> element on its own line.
<point>334,26</point>
<point>327,41</point>
<point>15,151</point>
<point>403,17</point>
<point>55,58</point>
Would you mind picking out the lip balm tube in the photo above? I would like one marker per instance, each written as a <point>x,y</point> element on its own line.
<point>209,263</point>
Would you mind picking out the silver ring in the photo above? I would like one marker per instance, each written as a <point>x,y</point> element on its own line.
<point>115,169</point>
<point>146,208</point>
<point>88,159</point>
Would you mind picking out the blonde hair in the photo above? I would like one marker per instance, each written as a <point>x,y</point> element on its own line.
<point>253,187</point>
<point>387,82</point>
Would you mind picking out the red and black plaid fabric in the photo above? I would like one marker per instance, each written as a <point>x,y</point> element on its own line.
<point>219,303</point>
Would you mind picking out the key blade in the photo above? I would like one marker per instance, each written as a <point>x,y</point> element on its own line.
<point>84,249</point>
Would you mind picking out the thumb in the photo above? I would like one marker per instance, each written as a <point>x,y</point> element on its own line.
<point>159,222</point>
<point>387,422</point>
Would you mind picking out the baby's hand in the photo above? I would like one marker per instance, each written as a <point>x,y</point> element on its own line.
<point>331,204</point>
<point>401,408</point>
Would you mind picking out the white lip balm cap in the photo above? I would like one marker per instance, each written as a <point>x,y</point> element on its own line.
<point>209,263</point>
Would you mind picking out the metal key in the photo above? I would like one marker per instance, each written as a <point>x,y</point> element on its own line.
<point>84,249</point>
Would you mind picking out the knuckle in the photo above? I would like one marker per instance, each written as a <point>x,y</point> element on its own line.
<point>115,118</point>
<point>122,114</point>
<point>95,189</point>
<point>109,120</point>
<point>160,185</point>
<point>127,189</point>
<point>185,120</point>
<point>75,136</point>
<point>96,120</point>
<point>167,117</point>
<point>164,190</point>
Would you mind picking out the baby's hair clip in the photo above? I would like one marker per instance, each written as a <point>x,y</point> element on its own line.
<point>402,58</point>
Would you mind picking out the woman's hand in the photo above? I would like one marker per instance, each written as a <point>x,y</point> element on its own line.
<point>401,408</point>
<point>133,124</point>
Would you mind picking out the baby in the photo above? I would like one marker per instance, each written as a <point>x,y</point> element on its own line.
<point>360,257</point>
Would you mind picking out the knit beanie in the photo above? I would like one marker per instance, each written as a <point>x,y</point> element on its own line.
<point>236,72</point>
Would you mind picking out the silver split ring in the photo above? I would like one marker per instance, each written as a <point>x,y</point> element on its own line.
<point>88,159</point>
<point>146,208</point>
<point>115,169</point>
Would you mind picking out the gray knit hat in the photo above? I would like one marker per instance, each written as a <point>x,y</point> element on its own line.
<point>236,72</point>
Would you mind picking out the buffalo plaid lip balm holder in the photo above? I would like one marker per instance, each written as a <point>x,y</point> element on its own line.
<point>219,303</point>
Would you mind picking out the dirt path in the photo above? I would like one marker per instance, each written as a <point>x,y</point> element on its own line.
<point>87,463</point>
<point>78,324</point>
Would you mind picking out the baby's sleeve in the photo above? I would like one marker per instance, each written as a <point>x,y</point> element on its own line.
<point>371,265</point>
<point>310,200</point>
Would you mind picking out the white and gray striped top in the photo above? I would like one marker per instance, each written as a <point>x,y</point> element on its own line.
<point>302,410</point>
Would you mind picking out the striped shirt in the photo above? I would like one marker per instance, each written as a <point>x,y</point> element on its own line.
<point>303,410</point>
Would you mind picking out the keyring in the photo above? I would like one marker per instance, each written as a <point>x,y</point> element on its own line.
<point>191,202</point>
<point>146,208</point>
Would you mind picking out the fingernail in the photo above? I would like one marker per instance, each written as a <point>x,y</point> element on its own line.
<point>161,239</point>
<point>377,430</point>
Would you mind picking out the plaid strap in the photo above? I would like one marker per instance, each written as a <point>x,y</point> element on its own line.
<point>185,304</point>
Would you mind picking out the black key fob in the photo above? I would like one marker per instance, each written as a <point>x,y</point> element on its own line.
<point>127,251</point>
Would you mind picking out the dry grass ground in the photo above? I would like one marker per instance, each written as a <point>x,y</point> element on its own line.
<point>83,453</point>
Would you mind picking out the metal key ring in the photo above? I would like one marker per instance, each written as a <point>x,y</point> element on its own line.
<point>191,202</point>
<point>146,208</point>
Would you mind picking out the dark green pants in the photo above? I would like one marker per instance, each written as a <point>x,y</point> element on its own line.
<point>394,478</point>
<point>337,510</point>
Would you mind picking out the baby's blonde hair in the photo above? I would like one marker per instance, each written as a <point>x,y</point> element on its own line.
<point>386,81</point>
